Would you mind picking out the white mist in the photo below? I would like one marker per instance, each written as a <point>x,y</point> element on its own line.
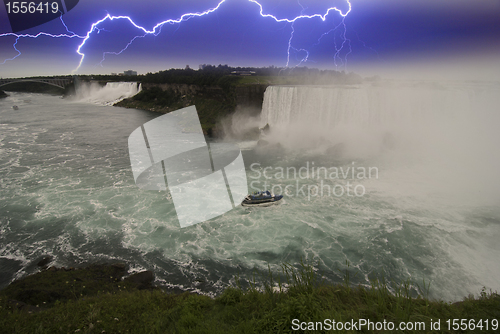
<point>109,94</point>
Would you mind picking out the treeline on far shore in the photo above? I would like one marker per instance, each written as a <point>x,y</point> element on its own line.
<point>223,76</point>
<point>215,90</point>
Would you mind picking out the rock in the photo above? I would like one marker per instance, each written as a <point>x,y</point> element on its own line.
<point>266,129</point>
<point>142,279</point>
<point>45,261</point>
<point>119,270</point>
<point>120,266</point>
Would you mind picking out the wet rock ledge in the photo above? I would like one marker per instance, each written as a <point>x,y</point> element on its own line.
<point>54,285</point>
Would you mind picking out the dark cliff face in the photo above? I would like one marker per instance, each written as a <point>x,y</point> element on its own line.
<point>213,103</point>
<point>250,96</point>
<point>2,94</point>
<point>243,96</point>
<point>182,89</point>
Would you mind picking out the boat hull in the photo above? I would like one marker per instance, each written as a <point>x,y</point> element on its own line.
<point>263,203</point>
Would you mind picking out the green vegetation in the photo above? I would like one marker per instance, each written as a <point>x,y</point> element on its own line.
<point>225,76</point>
<point>320,78</point>
<point>297,293</point>
<point>55,285</point>
<point>212,104</point>
<point>158,97</point>
<point>215,90</point>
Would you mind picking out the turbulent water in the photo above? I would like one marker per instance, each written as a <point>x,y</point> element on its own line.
<point>427,208</point>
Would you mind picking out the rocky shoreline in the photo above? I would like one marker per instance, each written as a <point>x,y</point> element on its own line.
<point>52,285</point>
<point>98,299</point>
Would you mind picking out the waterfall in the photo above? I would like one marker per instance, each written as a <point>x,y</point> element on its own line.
<point>109,94</point>
<point>330,106</point>
<point>370,113</point>
<point>443,132</point>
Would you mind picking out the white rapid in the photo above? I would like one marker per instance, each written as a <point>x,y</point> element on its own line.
<point>452,124</point>
<point>371,103</point>
<point>109,94</point>
<point>372,113</point>
<point>430,212</point>
<point>435,145</point>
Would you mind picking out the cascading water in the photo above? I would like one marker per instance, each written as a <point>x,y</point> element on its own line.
<point>329,106</point>
<point>435,147</point>
<point>430,210</point>
<point>427,116</point>
<point>109,94</point>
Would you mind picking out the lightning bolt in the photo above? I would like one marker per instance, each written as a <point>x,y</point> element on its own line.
<point>18,36</point>
<point>290,43</point>
<point>185,17</point>
<point>301,16</point>
<point>338,50</point>
<point>154,31</point>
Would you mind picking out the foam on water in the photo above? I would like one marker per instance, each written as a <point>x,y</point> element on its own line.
<point>434,145</point>
<point>108,95</point>
<point>68,191</point>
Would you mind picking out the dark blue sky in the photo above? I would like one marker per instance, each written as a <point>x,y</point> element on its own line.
<point>375,34</point>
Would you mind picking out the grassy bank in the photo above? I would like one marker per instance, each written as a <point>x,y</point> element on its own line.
<point>100,302</point>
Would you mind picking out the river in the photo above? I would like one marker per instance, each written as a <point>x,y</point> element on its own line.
<point>67,191</point>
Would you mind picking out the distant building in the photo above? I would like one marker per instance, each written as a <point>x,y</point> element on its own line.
<point>113,74</point>
<point>129,72</point>
<point>242,72</point>
<point>187,67</point>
